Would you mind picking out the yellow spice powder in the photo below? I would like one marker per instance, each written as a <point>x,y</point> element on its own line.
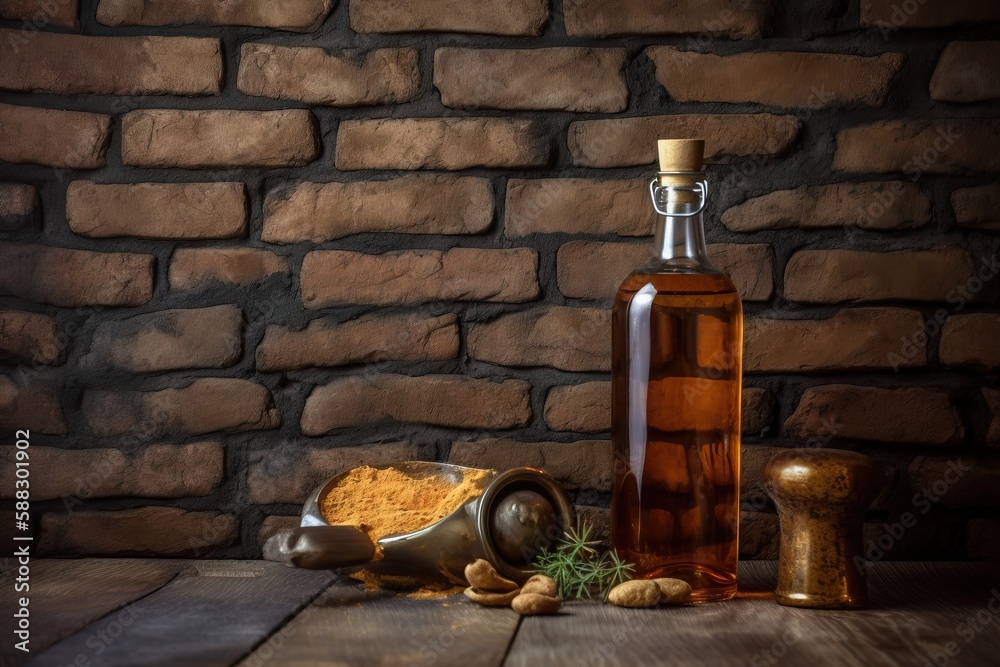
<point>387,501</point>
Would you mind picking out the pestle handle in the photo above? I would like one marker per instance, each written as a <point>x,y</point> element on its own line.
<point>320,547</point>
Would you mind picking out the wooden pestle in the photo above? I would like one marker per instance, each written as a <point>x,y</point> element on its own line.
<point>821,495</point>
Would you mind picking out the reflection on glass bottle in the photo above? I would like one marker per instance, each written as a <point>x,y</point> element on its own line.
<point>676,380</point>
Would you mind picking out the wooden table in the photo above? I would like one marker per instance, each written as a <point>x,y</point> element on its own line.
<point>135,612</point>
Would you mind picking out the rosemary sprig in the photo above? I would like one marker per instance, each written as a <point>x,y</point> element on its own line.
<point>579,569</point>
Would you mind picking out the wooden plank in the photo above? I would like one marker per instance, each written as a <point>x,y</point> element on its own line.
<point>918,611</point>
<point>350,626</point>
<point>210,615</point>
<point>66,595</point>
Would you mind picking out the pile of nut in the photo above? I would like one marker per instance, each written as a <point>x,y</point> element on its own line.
<point>650,592</point>
<point>537,596</point>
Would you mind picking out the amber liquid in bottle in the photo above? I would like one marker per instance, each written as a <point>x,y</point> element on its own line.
<point>676,382</point>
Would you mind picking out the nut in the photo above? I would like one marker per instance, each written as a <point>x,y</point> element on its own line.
<point>482,575</point>
<point>541,585</point>
<point>636,593</point>
<point>533,604</point>
<point>490,599</point>
<point>673,591</point>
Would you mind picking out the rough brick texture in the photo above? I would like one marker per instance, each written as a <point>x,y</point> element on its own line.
<point>70,64</point>
<point>971,340</point>
<point>978,207</point>
<point>495,17</point>
<point>774,78</point>
<point>170,340</point>
<point>881,206</point>
<point>568,462</point>
<point>831,276</point>
<point>156,471</point>
<point>295,15</point>
<point>18,205</point>
<point>726,18</point>
<point>854,338</point>
<point>71,278</point>
<point>958,481</point>
<point>218,139</point>
<point>890,15</point>
<point>416,204</point>
<point>457,401</point>
<point>146,531</point>
<point>911,415</point>
<point>307,74</point>
<point>195,267</point>
<point>914,146</point>
<point>67,139</point>
<point>624,142</point>
<point>30,338</point>
<point>440,143</point>
<point>559,79</point>
<point>331,277</point>
<point>572,339</point>
<point>157,210</point>
<point>64,13</point>
<point>203,406</point>
<point>30,405</point>
<point>967,72</point>
<point>578,206</point>
<point>594,269</point>
<point>369,338</point>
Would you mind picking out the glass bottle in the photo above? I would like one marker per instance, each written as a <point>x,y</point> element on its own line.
<point>677,341</point>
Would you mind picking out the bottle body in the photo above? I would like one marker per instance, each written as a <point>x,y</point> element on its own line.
<point>677,341</point>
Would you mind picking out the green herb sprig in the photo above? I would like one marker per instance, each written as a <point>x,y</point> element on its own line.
<point>579,568</point>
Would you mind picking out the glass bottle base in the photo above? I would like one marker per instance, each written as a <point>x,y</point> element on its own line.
<point>708,584</point>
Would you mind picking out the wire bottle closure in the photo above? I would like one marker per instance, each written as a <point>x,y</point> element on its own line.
<point>700,186</point>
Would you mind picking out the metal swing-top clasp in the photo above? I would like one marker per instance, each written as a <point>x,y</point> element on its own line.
<point>701,185</point>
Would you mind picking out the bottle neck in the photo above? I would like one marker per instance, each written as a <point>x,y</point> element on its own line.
<point>681,238</point>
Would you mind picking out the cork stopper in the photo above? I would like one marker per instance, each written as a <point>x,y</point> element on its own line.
<point>681,155</point>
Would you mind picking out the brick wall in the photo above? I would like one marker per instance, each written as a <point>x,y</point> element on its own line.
<point>248,245</point>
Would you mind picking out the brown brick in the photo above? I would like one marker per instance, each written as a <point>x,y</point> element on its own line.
<point>578,206</point>
<point>52,12</point>
<point>71,278</point>
<point>725,18</point>
<point>776,78</point>
<point>852,339</point>
<point>18,205</point>
<point>753,460</point>
<point>594,269</point>
<point>992,397</point>
<point>983,540</point>
<point>30,337</point>
<point>413,204</point>
<point>296,15</point>
<point>892,14</point>
<point>971,340</point>
<point>582,464</point>
<point>441,143</point>
<point>311,75</point>
<point>626,142</point>
<point>957,481</point>
<point>49,62</point>
<point>157,210</point>
<point>331,277</point>
<point>369,338</point>
<point>967,72</point>
<point>194,267</point>
<point>553,79</point>
<point>146,531</point>
<point>272,525</point>
<point>757,410</point>
<point>584,408</point>
<point>203,406</point>
<point>832,276</point>
<point>571,339</point>
<point>278,477</point>
<point>492,17</point>
<point>170,340</point>
<point>219,139</point>
<point>978,208</point>
<point>940,146</point>
<point>67,139</point>
<point>887,205</point>
<point>909,415</point>
<point>157,471</point>
<point>759,536</point>
<point>456,401</point>
<point>30,406</point>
